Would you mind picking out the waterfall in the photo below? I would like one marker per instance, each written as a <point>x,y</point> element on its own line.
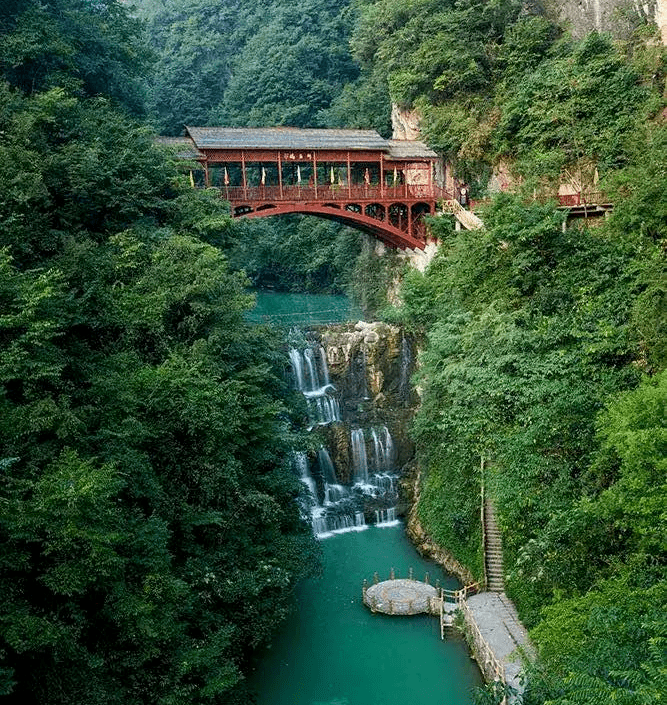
<point>342,507</point>
<point>339,510</point>
<point>297,367</point>
<point>359,458</point>
<point>383,450</point>
<point>325,366</point>
<point>312,370</point>
<point>386,517</point>
<point>301,463</point>
<point>333,491</point>
<point>381,484</point>
<point>331,506</point>
<point>311,376</point>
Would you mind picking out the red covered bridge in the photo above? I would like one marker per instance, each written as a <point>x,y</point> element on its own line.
<point>356,177</point>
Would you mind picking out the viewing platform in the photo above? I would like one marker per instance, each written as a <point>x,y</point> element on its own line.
<point>497,639</point>
<point>402,597</point>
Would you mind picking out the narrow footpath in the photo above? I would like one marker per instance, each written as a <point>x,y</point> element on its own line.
<point>499,626</point>
<point>499,639</point>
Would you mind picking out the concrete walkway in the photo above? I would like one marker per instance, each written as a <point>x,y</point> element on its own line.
<point>499,625</point>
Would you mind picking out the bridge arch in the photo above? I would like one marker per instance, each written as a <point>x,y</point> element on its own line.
<point>383,230</point>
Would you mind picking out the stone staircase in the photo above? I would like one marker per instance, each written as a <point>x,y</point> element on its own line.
<point>493,550</point>
<point>467,218</point>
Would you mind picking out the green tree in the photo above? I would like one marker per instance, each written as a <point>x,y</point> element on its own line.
<point>150,535</point>
<point>91,48</point>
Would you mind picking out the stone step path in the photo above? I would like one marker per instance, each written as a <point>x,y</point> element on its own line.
<point>498,623</point>
<point>493,550</point>
<point>466,218</point>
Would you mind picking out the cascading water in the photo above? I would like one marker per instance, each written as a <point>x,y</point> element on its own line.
<point>359,458</point>
<point>312,380</point>
<point>332,506</point>
<point>333,491</point>
<point>386,517</point>
<point>379,486</point>
<point>339,511</point>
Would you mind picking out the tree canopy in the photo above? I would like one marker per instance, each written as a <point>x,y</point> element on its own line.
<point>150,534</point>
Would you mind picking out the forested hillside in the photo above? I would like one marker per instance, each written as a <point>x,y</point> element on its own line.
<point>150,535</point>
<point>544,339</point>
<point>240,63</point>
<point>150,538</point>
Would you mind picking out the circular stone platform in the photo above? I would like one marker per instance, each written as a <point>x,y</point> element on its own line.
<point>402,597</point>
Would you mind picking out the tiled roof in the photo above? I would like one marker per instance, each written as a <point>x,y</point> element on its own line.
<point>409,149</point>
<point>284,138</point>
<point>292,138</point>
<point>183,146</point>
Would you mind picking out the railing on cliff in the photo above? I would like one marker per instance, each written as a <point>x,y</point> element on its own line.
<point>570,200</point>
<point>483,522</point>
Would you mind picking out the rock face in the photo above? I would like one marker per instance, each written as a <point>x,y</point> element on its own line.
<point>405,123</point>
<point>370,365</point>
<point>661,19</point>
<point>586,16</point>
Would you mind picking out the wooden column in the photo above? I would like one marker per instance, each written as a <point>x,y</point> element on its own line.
<point>315,171</point>
<point>245,183</point>
<point>280,176</point>
<point>349,176</point>
<point>382,176</point>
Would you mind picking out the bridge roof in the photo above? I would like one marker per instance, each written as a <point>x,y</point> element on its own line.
<point>284,138</point>
<point>409,149</point>
<point>292,138</point>
<point>183,146</point>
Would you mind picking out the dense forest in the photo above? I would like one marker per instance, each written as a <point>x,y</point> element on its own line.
<point>150,537</point>
<point>150,534</point>
<point>544,360</point>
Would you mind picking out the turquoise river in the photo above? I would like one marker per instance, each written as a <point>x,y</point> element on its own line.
<point>334,651</point>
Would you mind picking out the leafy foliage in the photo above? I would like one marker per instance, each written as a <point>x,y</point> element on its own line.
<point>530,336</point>
<point>149,530</point>
<point>580,103</point>
<point>501,82</point>
<point>91,48</point>
<point>295,253</point>
<point>239,64</point>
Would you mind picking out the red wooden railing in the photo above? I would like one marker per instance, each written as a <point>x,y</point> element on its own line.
<point>331,193</point>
